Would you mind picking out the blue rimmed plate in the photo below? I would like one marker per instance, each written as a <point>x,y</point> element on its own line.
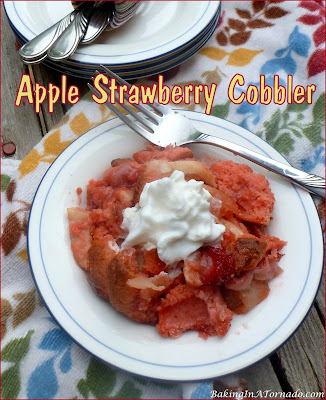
<point>138,348</point>
<point>137,71</point>
<point>157,29</point>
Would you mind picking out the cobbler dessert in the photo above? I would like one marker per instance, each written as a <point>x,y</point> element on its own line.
<point>177,242</point>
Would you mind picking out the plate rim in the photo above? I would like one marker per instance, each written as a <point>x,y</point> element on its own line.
<point>288,336</point>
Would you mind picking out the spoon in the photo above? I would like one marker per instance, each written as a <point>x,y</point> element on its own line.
<point>35,50</point>
<point>98,21</point>
<point>68,41</point>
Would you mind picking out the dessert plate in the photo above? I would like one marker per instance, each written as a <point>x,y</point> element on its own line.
<point>168,62</point>
<point>158,28</point>
<point>143,71</point>
<point>138,348</point>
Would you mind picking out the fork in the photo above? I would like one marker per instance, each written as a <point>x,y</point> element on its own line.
<point>164,126</point>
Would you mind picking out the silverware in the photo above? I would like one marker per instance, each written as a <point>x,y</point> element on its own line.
<point>83,25</point>
<point>165,126</point>
<point>68,41</point>
<point>98,21</point>
<point>99,3</point>
<point>35,50</point>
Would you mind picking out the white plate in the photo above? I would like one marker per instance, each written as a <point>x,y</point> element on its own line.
<point>158,28</point>
<point>138,348</point>
<point>137,71</point>
<point>161,58</point>
<point>204,34</point>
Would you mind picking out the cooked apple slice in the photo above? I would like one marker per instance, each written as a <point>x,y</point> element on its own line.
<point>145,176</point>
<point>192,169</point>
<point>227,206</point>
<point>159,153</point>
<point>157,169</point>
<point>242,301</point>
<point>157,283</point>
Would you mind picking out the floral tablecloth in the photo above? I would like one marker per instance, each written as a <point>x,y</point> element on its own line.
<point>39,361</point>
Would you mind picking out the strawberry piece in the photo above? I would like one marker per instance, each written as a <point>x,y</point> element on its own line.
<point>222,265</point>
<point>124,174</point>
<point>152,264</point>
<point>211,265</point>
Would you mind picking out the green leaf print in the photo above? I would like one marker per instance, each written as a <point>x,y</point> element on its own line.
<point>221,110</point>
<point>282,127</point>
<point>10,382</point>
<point>100,383</point>
<point>16,349</point>
<point>294,107</point>
<point>296,132</point>
<point>83,388</point>
<point>284,144</point>
<point>272,126</point>
<point>5,179</point>
<point>100,378</point>
<point>318,110</point>
<point>14,352</point>
<point>313,133</point>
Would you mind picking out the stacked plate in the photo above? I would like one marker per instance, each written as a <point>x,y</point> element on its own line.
<point>161,35</point>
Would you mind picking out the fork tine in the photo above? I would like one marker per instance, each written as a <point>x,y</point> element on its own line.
<point>156,106</point>
<point>149,114</point>
<point>148,124</point>
<point>135,127</point>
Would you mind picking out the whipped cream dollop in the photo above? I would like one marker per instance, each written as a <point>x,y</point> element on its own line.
<point>172,216</point>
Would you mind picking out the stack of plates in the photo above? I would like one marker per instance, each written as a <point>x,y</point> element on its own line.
<point>161,35</point>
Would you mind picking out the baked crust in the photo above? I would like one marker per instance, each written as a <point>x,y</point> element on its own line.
<point>100,256</point>
<point>137,304</point>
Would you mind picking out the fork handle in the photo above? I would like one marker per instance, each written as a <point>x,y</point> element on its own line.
<point>313,183</point>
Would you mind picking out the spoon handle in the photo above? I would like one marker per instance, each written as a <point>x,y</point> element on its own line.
<point>98,22</point>
<point>67,43</point>
<point>37,47</point>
